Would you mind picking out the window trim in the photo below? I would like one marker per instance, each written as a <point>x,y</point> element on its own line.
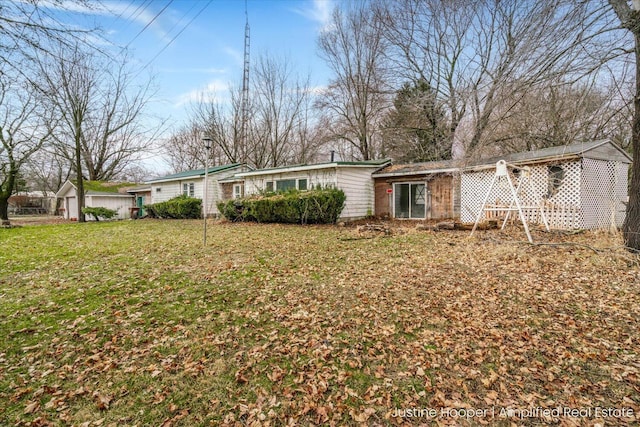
<point>189,189</point>
<point>238,194</point>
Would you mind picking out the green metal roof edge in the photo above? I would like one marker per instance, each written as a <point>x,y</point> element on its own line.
<point>194,172</point>
<point>372,163</point>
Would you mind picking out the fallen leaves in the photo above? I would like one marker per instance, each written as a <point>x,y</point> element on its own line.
<point>283,325</point>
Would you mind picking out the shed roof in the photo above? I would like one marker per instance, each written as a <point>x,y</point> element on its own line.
<point>421,168</point>
<point>580,149</point>
<point>194,173</point>
<point>98,188</point>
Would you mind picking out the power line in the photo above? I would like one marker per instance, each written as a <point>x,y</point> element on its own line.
<point>149,23</point>
<point>175,37</point>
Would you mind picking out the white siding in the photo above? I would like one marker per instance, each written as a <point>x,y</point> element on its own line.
<point>357,185</point>
<point>214,189</point>
<point>315,177</point>
<point>171,189</point>
<point>163,191</point>
<point>121,204</point>
<point>356,182</point>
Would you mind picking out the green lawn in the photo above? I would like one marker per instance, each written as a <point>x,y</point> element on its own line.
<point>134,323</point>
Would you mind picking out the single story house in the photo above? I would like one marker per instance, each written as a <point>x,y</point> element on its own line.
<point>354,178</point>
<point>428,190</point>
<point>191,183</point>
<point>110,195</point>
<point>583,185</point>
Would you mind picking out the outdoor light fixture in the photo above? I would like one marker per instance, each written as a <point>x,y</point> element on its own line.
<point>207,145</point>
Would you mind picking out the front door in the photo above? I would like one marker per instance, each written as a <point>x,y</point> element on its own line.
<point>409,200</point>
<point>139,204</point>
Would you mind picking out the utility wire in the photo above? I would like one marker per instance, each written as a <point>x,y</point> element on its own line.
<point>175,37</point>
<point>149,23</point>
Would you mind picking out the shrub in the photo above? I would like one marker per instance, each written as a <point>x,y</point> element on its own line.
<point>319,206</point>
<point>180,207</point>
<point>99,212</point>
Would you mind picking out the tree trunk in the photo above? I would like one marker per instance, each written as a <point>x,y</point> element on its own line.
<point>631,228</point>
<point>79,179</point>
<point>4,210</point>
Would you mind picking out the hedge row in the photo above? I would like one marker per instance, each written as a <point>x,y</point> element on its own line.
<point>321,206</point>
<point>180,207</point>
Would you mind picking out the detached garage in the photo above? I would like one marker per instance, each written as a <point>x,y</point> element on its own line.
<point>108,195</point>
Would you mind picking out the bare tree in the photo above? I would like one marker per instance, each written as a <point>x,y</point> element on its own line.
<point>47,169</point>
<point>186,150</point>
<point>69,88</point>
<point>118,133</point>
<point>630,19</point>
<point>27,29</point>
<point>222,123</point>
<point>101,130</point>
<point>557,114</point>
<point>354,49</point>
<point>280,126</point>
<point>21,135</point>
<point>280,116</point>
<point>481,58</point>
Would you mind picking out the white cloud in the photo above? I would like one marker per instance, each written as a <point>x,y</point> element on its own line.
<point>216,90</point>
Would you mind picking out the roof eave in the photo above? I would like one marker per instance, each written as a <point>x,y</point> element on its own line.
<point>301,168</point>
<point>411,173</point>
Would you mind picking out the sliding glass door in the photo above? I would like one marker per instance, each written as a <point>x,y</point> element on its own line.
<point>409,200</point>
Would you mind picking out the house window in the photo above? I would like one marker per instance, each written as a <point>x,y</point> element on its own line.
<point>158,189</point>
<point>269,186</point>
<point>302,184</point>
<point>556,175</point>
<point>189,189</point>
<point>285,184</point>
<point>238,191</point>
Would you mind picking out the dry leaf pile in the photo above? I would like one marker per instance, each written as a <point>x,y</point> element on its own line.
<point>133,323</point>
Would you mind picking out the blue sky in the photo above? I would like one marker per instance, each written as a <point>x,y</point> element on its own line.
<point>192,46</point>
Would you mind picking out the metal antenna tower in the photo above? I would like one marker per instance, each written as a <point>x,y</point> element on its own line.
<point>245,86</point>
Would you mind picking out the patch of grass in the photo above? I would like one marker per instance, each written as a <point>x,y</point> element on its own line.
<point>135,323</point>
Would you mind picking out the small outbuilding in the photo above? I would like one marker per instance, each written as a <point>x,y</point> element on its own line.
<point>110,195</point>
<point>583,185</point>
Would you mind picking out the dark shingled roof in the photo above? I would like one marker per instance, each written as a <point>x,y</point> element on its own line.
<point>559,152</point>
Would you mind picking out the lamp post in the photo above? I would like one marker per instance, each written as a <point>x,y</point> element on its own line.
<point>207,145</point>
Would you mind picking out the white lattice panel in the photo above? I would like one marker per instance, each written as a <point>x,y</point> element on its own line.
<point>622,191</point>
<point>562,209</point>
<point>604,190</point>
